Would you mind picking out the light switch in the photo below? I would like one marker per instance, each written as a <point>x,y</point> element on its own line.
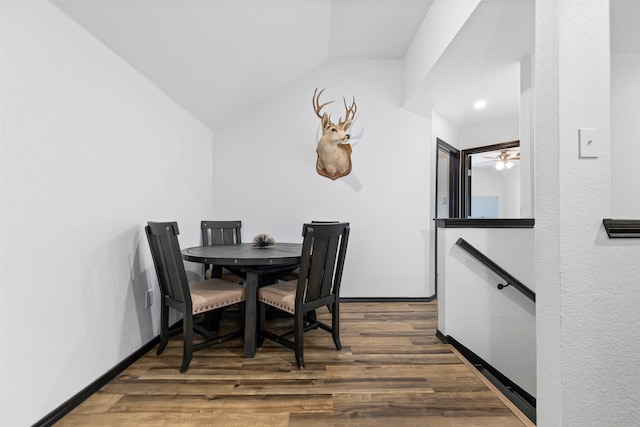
<point>588,143</point>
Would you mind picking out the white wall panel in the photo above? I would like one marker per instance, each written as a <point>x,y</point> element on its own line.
<point>91,151</point>
<point>264,174</point>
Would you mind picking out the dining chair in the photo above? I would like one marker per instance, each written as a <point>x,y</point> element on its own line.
<point>221,233</point>
<point>189,299</point>
<point>293,275</point>
<point>324,248</point>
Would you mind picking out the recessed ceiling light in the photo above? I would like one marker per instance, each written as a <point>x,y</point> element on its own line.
<point>480,104</point>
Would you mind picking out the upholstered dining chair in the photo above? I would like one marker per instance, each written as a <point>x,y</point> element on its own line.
<point>221,233</point>
<point>324,248</point>
<point>188,299</point>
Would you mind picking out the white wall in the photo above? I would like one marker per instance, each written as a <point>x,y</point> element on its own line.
<point>444,130</point>
<point>504,184</point>
<point>527,190</point>
<point>264,175</point>
<point>440,26</point>
<point>91,150</point>
<point>491,133</point>
<point>625,134</point>
<point>587,285</point>
<point>497,325</point>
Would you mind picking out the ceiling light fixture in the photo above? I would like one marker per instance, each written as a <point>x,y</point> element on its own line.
<point>502,164</point>
<point>504,160</point>
<point>479,104</point>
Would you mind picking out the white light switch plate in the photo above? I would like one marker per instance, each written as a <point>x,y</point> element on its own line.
<point>588,141</point>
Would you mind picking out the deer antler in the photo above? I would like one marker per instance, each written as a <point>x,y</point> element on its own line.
<point>350,112</point>
<point>316,102</point>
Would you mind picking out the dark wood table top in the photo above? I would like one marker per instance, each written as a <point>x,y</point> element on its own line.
<point>245,254</point>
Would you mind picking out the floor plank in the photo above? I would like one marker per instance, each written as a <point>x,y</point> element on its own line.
<point>392,370</point>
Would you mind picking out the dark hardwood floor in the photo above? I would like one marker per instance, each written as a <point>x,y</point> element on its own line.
<point>392,370</point>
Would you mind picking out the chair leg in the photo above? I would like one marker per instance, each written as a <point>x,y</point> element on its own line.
<point>242,314</point>
<point>164,328</point>
<point>262,318</point>
<point>212,320</point>
<point>335,325</point>
<point>187,334</point>
<point>299,340</point>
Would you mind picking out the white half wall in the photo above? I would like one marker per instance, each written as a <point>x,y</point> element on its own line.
<point>265,175</point>
<point>91,151</point>
<point>497,325</point>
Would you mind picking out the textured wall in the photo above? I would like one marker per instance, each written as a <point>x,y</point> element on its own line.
<point>587,284</point>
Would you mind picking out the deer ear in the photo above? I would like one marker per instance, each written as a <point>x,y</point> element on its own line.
<point>325,120</point>
<point>347,125</point>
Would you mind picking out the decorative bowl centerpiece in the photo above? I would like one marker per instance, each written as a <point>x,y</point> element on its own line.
<point>263,240</point>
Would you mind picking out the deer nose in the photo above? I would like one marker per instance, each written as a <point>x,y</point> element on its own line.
<point>348,136</point>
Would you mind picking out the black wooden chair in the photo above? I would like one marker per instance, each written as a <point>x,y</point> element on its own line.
<point>188,299</point>
<point>293,275</point>
<point>323,253</point>
<point>221,233</point>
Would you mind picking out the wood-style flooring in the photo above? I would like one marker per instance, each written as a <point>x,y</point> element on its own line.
<point>391,371</point>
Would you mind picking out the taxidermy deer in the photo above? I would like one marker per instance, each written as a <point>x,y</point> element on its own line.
<point>334,151</point>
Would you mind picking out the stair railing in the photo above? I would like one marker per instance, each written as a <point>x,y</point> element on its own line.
<point>511,281</point>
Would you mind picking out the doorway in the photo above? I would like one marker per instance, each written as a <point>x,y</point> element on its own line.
<point>447,181</point>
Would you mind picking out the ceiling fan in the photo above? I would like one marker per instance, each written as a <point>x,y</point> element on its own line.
<point>505,159</point>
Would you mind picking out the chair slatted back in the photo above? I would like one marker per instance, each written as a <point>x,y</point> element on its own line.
<point>323,252</point>
<point>221,232</point>
<point>167,258</point>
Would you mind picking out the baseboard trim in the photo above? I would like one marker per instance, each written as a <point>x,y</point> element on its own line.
<point>62,410</point>
<point>504,381</point>
<point>407,299</point>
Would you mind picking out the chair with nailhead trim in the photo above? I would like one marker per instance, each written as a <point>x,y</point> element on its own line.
<point>189,299</point>
<point>324,248</point>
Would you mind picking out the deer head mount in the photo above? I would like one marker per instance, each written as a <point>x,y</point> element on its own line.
<point>334,151</point>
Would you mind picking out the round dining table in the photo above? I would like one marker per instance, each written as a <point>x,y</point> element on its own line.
<point>258,263</point>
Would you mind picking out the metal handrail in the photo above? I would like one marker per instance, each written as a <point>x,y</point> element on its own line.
<point>511,281</point>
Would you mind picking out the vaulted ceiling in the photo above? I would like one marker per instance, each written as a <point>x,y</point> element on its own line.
<point>215,57</point>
